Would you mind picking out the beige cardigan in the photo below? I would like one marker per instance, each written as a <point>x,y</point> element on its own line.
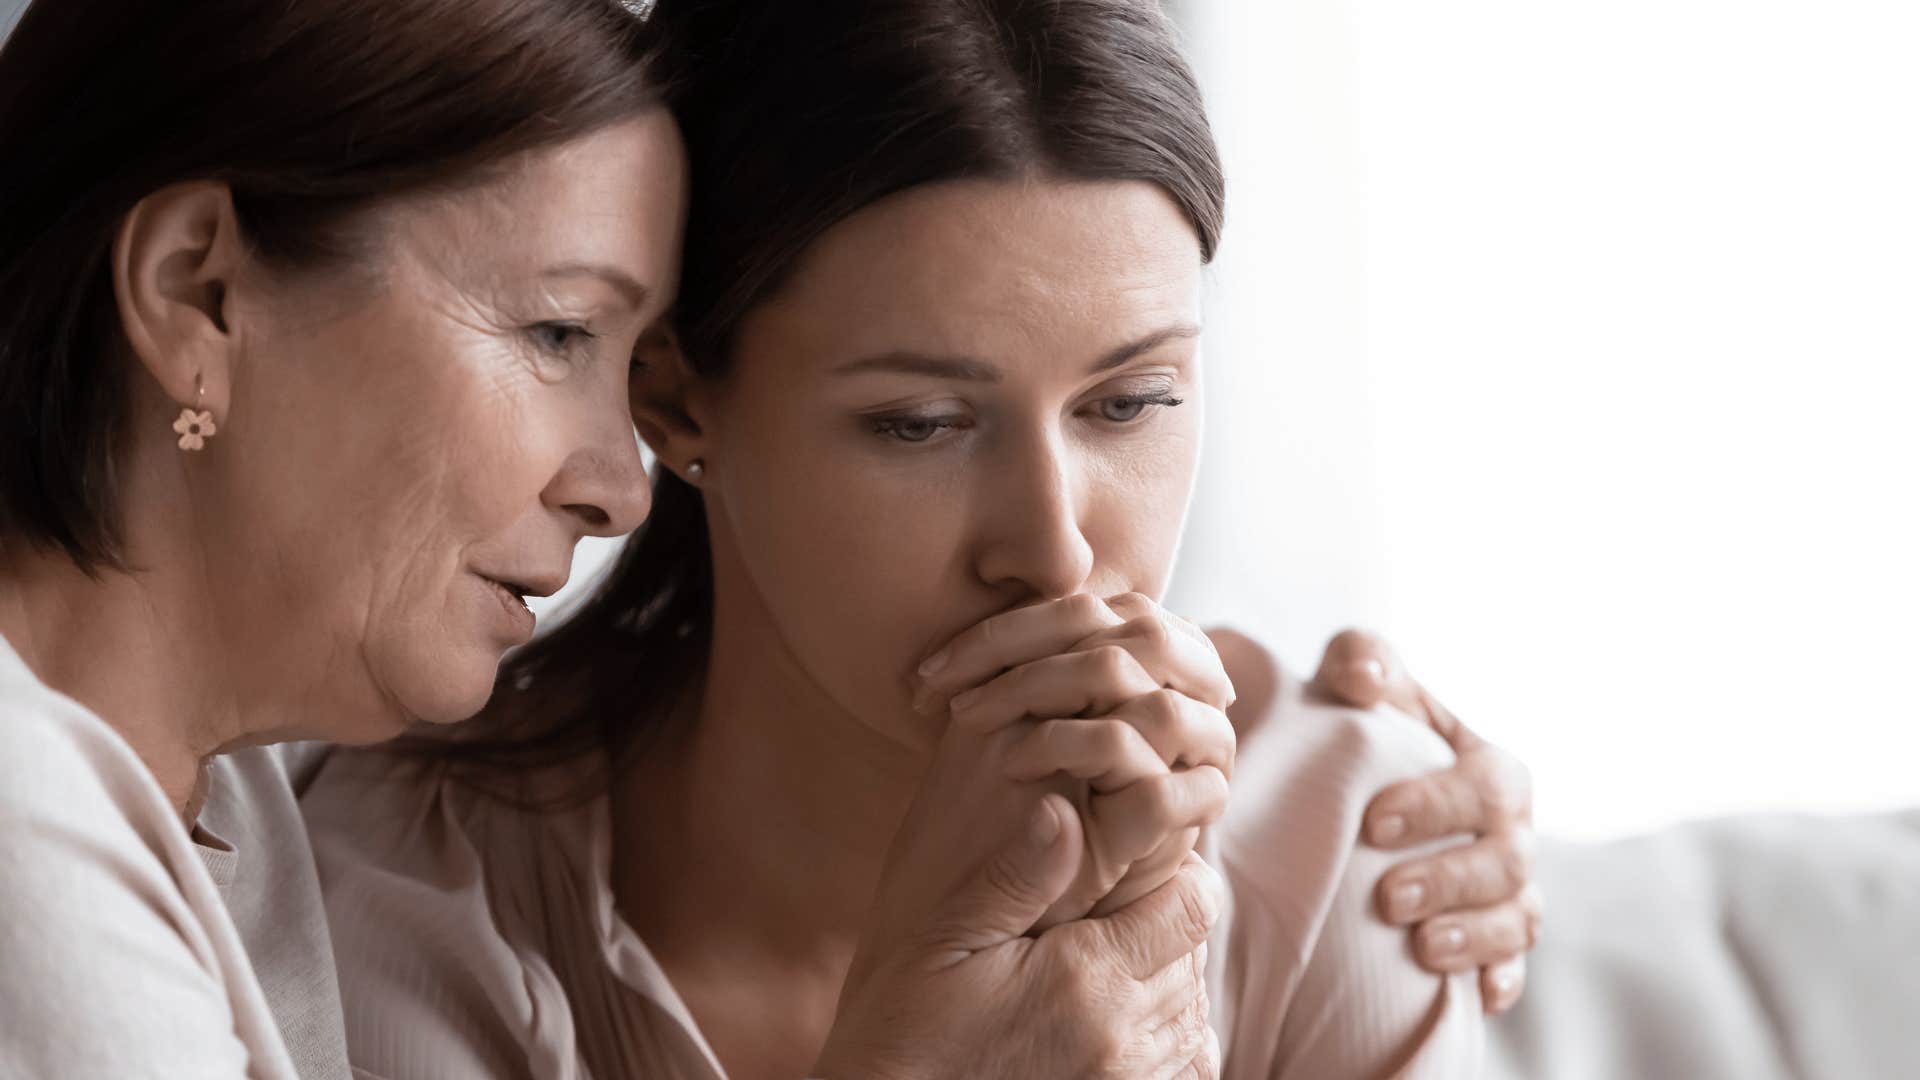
<point>130,948</point>
<point>120,958</point>
<point>476,940</point>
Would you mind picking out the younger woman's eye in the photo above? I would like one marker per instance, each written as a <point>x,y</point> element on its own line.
<point>559,337</point>
<point>913,429</point>
<point>1126,409</point>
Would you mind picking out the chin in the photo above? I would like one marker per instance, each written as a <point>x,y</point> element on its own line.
<point>449,688</point>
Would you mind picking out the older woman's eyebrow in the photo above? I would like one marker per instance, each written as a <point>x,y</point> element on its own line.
<point>635,292</point>
<point>969,369</point>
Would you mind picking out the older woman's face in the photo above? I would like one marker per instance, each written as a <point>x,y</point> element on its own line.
<point>412,452</point>
<point>969,396</point>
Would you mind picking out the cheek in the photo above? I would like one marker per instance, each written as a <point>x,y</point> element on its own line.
<point>848,542</point>
<point>378,467</point>
<point>452,456</point>
<point>1136,506</point>
<point>852,563</point>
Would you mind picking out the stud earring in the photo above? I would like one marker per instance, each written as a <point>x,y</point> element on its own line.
<point>195,426</point>
<point>696,470</point>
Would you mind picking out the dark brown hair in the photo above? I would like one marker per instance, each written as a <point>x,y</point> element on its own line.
<point>797,115</point>
<point>310,111</point>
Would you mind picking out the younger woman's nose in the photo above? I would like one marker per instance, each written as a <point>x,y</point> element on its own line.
<point>1031,538</point>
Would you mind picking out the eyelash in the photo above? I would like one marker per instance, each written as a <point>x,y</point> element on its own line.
<point>891,426</point>
<point>572,334</point>
<point>1162,400</point>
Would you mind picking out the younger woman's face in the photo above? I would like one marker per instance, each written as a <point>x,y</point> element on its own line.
<point>970,396</point>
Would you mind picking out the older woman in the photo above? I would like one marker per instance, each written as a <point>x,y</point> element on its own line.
<point>315,328</point>
<point>925,465</point>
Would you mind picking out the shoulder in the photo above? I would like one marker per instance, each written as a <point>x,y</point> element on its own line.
<point>1336,993</point>
<point>106,906</point>
<point>63,767</point>
<point>1285,723</point>
<point>1306,769</point>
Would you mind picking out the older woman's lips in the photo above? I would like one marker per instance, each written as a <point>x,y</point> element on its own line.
<point>519,615</point>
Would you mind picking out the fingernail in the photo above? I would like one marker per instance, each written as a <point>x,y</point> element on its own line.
<point>1404,900</point>
<point>1044,826</point>
<point>1372,668</point>
<point>1388,829</point>
<point>1503,984</point>
<point>1446,942</point>
<point>965,700</point>
<point>933,664</point>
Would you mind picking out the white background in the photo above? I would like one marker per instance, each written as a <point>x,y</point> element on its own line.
<point>1574,346</point>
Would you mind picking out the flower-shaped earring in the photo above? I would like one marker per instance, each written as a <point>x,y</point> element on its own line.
<point>195,426</point>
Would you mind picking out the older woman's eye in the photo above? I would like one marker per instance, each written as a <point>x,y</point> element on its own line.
<point>559,337</point>
<point>1125,410</point>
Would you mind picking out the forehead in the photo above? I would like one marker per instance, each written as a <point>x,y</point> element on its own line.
<point>615,197</point>
<point>998,266</point>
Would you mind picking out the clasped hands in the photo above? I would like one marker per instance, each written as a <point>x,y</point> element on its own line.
<point>1099,731</point>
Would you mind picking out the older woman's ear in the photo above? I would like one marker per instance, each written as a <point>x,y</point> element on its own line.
<point>175,260</point>
<point>667,402</point>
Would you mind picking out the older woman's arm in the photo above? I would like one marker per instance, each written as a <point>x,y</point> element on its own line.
<point>1313,983</point>
<point>1471,905</point>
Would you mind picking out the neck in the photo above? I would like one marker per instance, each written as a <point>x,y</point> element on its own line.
<point>134,649</point>
<point>747,853</point>
<point>771,817</point>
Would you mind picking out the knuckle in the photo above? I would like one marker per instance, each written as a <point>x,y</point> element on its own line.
<point>1161,711</point>
<point>1506,787</point>
<point>1083,607</point>
<point>1112,1052</point>
<point>1213,791</point>
<point>1150,629</point>
<point>1533,916</point>
<point>1207,1066</point>
<point>1452,879</point>
<point>1196,915</point>
<point>1513,866</point>
<point>1500,803</point>
<point>1160,797</point>
<point>1090,992</point>
<point>1193,1027</point>
<point>1113,738</point>
<point>1111,663</point>
<point>1462,806</point>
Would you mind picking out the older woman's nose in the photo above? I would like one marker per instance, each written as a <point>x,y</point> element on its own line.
<point>1032,538</point>
<point>605,486</point>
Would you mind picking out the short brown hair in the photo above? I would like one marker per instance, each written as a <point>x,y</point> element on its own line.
<point>310,111</point>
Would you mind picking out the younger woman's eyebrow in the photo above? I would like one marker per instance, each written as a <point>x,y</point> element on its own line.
<point>1177,332</point>
<point>970,369</point>
<point>912,363</point>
